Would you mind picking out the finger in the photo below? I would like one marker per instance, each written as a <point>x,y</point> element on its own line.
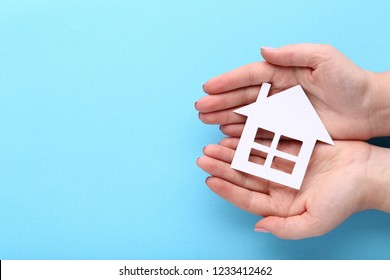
<point>293,227</point>
<point>300,55</point>
<point>232,130</point>
<point>235,130</point>
<point>230,142</point>
<point>221,169</point>
<point>256,156</point>
<point>226,154</point>
<point>235,98</point>
<point>215,166</point>
<point>247,75</point>
<point>254,202</point>
<point>222,117</point>
<point>219,152</point>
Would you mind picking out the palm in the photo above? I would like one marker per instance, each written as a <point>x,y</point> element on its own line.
<point>331,191</point>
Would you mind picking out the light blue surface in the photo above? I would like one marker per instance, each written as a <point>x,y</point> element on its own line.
<point>99,135</point>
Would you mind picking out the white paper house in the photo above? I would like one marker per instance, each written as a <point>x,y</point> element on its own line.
<point>286,114</point>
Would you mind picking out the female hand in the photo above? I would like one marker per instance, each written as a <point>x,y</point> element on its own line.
<point>336,185</point>
<point>343,94</point>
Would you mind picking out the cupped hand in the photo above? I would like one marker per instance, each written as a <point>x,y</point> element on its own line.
<point>340,91</point>
<point>334,187</point>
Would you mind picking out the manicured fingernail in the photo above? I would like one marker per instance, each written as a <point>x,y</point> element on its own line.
<point>259,229</point>
<point>268,48</point>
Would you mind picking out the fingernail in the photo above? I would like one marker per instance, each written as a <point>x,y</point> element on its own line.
<point>207,179</point>
<point>268,48</point>
<point>195,105</point>
<point>259,229</point>
<point>203,86</point>
<point>203,149</point>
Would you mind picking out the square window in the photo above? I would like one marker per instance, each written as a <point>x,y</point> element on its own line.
<point>289,145</point>
<point>283,165</point>
<point>264,137</point>
<point>257,156</point>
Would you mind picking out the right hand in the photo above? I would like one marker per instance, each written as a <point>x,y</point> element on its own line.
<point>340,91</point>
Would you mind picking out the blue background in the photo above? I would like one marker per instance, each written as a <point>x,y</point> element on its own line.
<point>99,135</point>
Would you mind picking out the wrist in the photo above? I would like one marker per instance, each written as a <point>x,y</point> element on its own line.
<point>378,172</point>
<point>379,91</point>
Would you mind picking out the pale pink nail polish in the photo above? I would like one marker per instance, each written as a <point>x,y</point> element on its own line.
<point>259,229</point>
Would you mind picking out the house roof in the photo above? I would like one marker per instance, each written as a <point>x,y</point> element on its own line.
<point>288,112</point>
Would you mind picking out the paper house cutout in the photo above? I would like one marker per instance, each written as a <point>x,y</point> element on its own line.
<point>289,114</point>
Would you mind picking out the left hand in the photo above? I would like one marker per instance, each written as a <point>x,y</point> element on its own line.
<point>335,186</point>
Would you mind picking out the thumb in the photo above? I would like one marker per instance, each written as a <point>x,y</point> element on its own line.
<point>299,55</point>
<point>294,227</point>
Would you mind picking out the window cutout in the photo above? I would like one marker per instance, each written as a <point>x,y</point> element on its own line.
<point>264,137</point>
<point>282,164</point>
<point>257,157</point>
<point>293,147</point>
